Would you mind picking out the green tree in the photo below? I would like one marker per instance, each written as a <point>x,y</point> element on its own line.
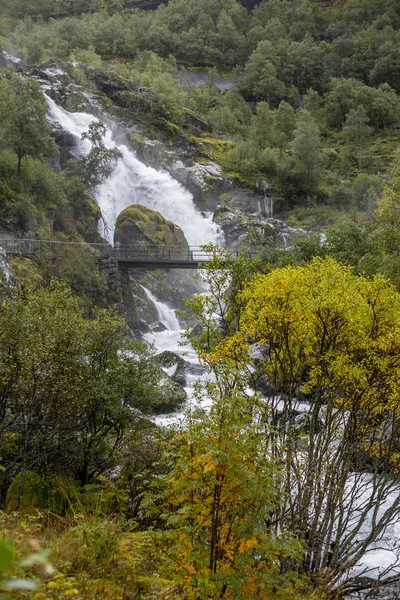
<point>383,256</point>
<point>70,388</point>
<point>284,125</point>
<point>97,165</point>
<point>306,153</point>
<point>320,337</point>
<point>260,77</point>
<point>220,497</point>
<point>26,131</point>
<point>356,131</point>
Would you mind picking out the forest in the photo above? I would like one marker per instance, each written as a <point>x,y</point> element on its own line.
<point>287,485</point>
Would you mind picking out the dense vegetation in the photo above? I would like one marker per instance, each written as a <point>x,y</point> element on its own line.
<point>338,64</point>
<point>254,499</point>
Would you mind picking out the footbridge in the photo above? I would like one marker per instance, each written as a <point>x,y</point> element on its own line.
<point>128,257</point>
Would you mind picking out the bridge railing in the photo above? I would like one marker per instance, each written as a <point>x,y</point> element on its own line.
<point>121,252</point>
<point>27,246</point>
<point>162,253</point>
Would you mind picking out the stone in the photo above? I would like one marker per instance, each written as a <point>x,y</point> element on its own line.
<point>174,366</point>
<point>142,227</point>
<point>252,232</point>
<point>173,396</point>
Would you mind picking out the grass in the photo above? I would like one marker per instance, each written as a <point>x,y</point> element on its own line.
<point>94,556</point>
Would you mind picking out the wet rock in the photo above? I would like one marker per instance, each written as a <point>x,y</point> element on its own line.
<point>252,232</point>
<point>139,311</point>
<point>157,327</point>
<point>8,61</point>
<point>174,365</point>
<point>204,181</point>
<point>87,224</point>
<point>57,80</point>
<point>173,396</point>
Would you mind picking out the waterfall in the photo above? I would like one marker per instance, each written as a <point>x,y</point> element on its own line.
<point>265,207</point>
<point>132,182</point>
<point>166,315</point>
<point>268,206</point>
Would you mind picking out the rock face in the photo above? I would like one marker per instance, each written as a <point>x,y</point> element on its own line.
<point>173,396</point>
<point>252,232</point>
<point>142,227</point>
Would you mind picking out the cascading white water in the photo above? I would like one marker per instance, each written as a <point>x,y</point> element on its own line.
<point>132,182</point>
<point>166,315</point>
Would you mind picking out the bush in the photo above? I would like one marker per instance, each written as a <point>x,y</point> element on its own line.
<point>28,491</point>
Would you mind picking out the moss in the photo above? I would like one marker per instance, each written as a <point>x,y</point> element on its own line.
<point>24,493</point>
<point>214,148</point>
<point>139,213</point>
<point>27,273</point>
<point>149,226</point>
<point>315,217</point>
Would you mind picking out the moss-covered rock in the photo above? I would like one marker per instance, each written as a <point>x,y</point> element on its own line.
<point>142,227</point>
<point>88,220</point>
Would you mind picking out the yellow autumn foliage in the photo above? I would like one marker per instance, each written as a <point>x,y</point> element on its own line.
<point>323,330</point>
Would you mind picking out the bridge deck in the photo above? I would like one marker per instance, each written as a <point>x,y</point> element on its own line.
<point>128,257</point>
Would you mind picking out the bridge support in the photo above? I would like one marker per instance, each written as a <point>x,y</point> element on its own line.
<point>109,266</point>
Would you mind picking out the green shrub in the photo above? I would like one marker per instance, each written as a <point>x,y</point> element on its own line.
<point>29,491</point>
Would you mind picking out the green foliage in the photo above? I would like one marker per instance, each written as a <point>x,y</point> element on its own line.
<point>10,582</point>
<point>321,335</point>
<point>356,130</point>
<point>218,499</point>
<point>96,165</point>
<point>69,387</point>
<point>24,129</point>
<point>306,152</point>
<point>28,491</point>
<point>260,76</point>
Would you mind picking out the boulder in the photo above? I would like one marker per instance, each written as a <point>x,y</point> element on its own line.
<point>173,396</point>
<point>142,227</point>
<point>174,366</point>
